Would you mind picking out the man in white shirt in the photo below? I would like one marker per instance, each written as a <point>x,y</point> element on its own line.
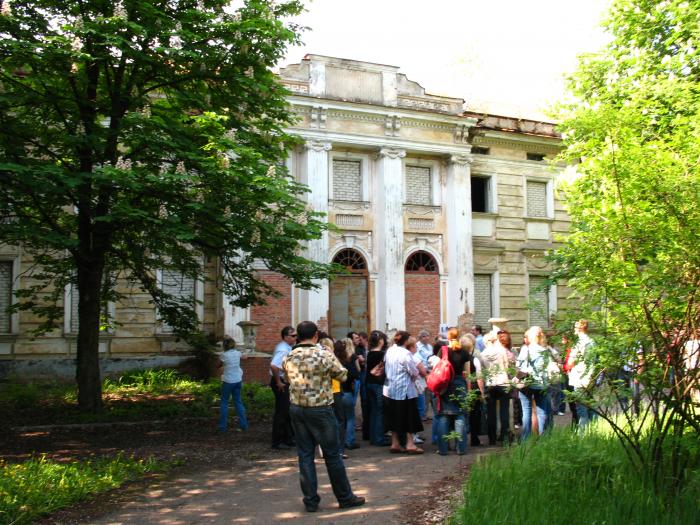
<point>282,434</point>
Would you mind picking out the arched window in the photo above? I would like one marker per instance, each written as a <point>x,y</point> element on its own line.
<point>351,260</point>
<point>421,262</point>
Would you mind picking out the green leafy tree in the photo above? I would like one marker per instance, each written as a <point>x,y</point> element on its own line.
<point>632,254</point>
<point>139,136</point>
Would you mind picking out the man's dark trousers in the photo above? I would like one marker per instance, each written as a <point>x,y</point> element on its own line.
<point>281,424</point>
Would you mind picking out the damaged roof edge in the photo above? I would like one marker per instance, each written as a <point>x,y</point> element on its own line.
<point>514,124</point>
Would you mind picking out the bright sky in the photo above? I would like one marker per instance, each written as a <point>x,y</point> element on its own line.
<point>502,56</point>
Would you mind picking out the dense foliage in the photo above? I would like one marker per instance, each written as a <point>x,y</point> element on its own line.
<point>632,255</point>
<point>564,477</point>
<point>139,137</point>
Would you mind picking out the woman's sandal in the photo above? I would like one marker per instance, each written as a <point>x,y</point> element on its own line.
<point>397,450</point>
<point>414,451</point>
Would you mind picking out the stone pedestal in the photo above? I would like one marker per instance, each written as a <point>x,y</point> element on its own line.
<point>250,332</point>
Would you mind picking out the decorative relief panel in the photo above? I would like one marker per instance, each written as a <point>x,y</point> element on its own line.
<point>337,205</point>
<point>296,87</point>
<point>486,261</point>
<point>423,240</point>
<point>318,117</point>
<point>351,239</point>
<point>347,220</point>
<point>424,211</point>
<point>419,103</point>
<point>392,126</point>
<point>415,223</point>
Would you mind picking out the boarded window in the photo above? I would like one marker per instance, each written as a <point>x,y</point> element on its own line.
<point>418,185</point>
<point>347,180</point>
<point>5,296</point>
<point>74,318</point>
<point>536,199</point>
<point>483,304</point>
<point>539,301</point>
<point>481,196</point>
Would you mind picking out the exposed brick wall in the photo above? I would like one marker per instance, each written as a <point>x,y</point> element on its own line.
<point>347,180</point>
<point>422,302</point>
<point>256,370</point>
<point>275,315</point>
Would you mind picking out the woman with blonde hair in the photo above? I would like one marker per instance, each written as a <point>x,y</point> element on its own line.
<point>532,362</point>
<point>452,408</point>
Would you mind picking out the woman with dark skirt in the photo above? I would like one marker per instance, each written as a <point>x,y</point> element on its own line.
<point>378,344</point>
<point>400,396</point>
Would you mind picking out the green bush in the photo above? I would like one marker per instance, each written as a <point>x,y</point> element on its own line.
<point>566,477</point>
<point>258,399</point>
<point>39,486</point>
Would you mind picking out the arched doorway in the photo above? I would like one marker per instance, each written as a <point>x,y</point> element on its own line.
<point>422,282</point>
<point>348,295</point>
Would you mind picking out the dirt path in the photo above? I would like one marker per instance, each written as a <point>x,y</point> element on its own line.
<point>268,491</point>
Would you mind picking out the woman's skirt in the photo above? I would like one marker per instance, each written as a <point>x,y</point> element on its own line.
<point>401,415</point>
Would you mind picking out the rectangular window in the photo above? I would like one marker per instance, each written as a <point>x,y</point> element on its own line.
<point>481,194</point>
<point>477,150</point>
<point>536,199</point>
<point>347,180</point>
<point>418,185</point>
<point>483,298</point>
<point>539,301</point>
<point>5,296</point>
<point>179,286</point>
<point>539,157</point>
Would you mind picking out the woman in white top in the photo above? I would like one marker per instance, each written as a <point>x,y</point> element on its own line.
<point>400,395</point>
<point>533,360</point>
<point>231,384</point>
<point>496,365</point>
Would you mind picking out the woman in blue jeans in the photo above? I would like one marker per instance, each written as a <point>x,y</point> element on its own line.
<point>378,343</point>
<point>346,355</point>
<point>533,360</point>
<point>231,384</point>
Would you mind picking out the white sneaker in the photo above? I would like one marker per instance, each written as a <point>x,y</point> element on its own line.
<point>417,439</point>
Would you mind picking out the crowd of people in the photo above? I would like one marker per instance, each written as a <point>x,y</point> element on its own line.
<point>317,381</point>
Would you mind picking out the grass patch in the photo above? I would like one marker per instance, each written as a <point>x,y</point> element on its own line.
<point>136,396</point>
<point>39,486</point>
<point>569,478</point>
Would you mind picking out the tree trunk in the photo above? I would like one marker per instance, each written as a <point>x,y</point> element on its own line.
<point>88,363</point>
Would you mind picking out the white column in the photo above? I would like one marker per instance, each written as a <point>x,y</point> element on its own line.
<point>314,304</point>
<point>460,259</point>
<point>388,205</point>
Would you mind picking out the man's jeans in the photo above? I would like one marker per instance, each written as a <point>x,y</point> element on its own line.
<point>544,407</point>
<point>228,390</point>
<point>312,426</point>
<point>349,409</point>
<point>461,428</point>
<point>376,414</point>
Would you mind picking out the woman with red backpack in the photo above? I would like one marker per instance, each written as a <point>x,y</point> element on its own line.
<point>453,401</point>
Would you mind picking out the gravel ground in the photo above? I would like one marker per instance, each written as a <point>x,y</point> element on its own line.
<point>237,478</point>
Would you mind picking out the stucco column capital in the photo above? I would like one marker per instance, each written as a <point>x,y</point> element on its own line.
<point>392,153</point>
<point>318,145</point>
<point>461,159</point>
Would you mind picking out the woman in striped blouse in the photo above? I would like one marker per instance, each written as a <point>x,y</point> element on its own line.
<point>400,396</point>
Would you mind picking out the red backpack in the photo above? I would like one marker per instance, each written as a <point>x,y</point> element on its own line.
<point>442,375</point>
